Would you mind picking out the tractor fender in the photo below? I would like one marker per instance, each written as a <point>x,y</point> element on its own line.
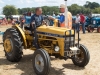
<point>22,34</point>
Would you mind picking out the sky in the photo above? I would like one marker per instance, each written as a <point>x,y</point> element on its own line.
<point>37,3</point>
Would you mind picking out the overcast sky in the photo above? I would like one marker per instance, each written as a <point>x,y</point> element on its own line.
<point>36,3</point>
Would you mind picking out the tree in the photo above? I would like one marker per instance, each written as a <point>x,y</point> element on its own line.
<point>91,5</point>
<point>19,11</point>
<point>9,10</point>
<point>96,10</point>
<point>49,10</point>
<point>74,9</point>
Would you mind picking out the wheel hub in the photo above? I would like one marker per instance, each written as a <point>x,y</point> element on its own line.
<point>39,63</point>
<point>80,57</point>
<point>8,45</point>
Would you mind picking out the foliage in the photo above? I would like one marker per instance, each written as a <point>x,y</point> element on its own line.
<point>9,10</point>
<point>91,5</point>
<point>96,10</point>
<point>47,10</point>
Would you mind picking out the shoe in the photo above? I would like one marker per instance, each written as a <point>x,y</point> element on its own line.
<point>36,46</point>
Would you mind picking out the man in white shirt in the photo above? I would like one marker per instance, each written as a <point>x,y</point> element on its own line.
<point>77,21</point>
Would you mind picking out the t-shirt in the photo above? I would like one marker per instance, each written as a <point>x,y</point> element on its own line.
<point>77,20</point>
<point>38,19</point>
<point>62,18</point>
<point>82,18</point>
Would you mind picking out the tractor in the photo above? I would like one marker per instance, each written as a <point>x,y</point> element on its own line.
<point>53,41</point>
<point>95,25</point>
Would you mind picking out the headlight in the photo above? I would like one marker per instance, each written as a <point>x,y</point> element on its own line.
<point>56,48</point>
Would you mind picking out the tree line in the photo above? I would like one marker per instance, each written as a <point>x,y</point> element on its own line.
<point>87,8</point>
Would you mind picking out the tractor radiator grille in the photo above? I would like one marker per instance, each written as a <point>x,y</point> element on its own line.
<point>69,42</point>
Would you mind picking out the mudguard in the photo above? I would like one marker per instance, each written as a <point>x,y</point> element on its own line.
<point>22,34</point>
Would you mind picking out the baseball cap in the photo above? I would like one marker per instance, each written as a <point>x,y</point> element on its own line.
<point>62,6</point>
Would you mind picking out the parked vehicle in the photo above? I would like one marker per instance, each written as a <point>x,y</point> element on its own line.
<point>95,24</point>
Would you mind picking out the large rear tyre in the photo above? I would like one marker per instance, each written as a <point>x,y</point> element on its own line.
<point>83,58</point>
<point>12,45</point>
<point>41,62</point>
<point>98,29</point>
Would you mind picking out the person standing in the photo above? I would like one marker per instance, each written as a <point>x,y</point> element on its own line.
<point>77,21</point>
<point>62,17</point>
<point>22,20</point>
<point>82,21</point>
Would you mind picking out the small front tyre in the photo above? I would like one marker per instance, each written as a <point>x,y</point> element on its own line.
<point>90,29</point>
<point>41,62</point>
<point>98,29</point>
<point>83,58</point>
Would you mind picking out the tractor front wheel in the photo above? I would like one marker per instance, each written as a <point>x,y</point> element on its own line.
<point>98,29</point>
<point>83,58</point>
<point>90,29</point>
<point>41,62</point>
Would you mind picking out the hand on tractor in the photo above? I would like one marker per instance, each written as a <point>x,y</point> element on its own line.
<point>51,18</point>
<point>44,23</point>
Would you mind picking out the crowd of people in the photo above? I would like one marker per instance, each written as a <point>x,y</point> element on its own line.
<point>3,21</point>
<point>80,20</point>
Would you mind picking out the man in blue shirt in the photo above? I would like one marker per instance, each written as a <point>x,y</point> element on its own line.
<point>37,17</point>
<point>36,21</point>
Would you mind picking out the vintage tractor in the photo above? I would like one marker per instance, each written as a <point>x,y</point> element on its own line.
<point>95,25</point>
<point>53,41</point>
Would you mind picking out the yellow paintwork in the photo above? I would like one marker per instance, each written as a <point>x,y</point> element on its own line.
<point>22,33</point>
<point>55,30</point>
<point>7,45</point>
<point>46,29</point>
<point>55,23</point>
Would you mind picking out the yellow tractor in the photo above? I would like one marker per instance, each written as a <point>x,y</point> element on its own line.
<point>53,41</point>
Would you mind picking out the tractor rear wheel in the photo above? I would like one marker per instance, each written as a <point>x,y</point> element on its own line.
<point>12,45</point>
<point>41,62</point>
<point>98,29</point>
<point>83,58</point>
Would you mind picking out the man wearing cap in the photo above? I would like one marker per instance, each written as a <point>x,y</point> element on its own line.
<point>62,17</point>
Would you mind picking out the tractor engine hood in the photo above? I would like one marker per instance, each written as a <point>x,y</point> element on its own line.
<point>54,31</point>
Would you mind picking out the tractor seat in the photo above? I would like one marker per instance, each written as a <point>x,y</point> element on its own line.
<point>27,28</point>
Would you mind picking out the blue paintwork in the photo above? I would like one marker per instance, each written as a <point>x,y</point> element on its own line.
<point>1,33</point>
<point>88,21</point>
<point>95,22</point>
